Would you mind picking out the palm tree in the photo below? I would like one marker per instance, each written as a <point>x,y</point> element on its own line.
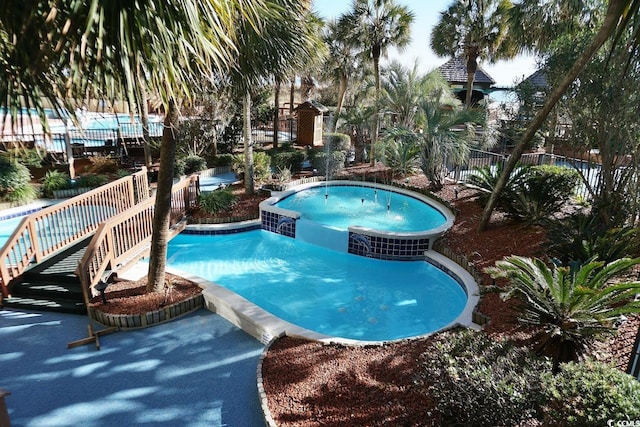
<point>445,134</point>
<point>377,25</point>
<point>402,91</point>
<point>342,59</point>
<point>284,41</point>
<point>62,52</point>
<point>474,29</point>
<point>619,16</point>
<point>569,309</point>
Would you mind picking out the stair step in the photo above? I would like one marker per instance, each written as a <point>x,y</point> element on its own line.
<point>48,290</point>
<point>59,305</point>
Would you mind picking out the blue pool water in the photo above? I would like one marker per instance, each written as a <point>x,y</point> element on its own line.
<point>326,291</point>
<point>7,226</point>
<point>348,205</point>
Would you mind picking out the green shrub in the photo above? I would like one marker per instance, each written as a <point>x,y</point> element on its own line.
<point>328,164</point>
<point>589,394</point>
<point>194,164</point>
<point>223,160</point>
<point>532,193</point>
<point>217,201</point>
<point>179,167</point>
<point>22,194</point>
<point>486,177</point>
<point>54,180</point>
<point>90,181</point>
<point>475,380</point>
<point>291,160</point>
<point>580,237</point>
<point>261,166</point>
<point>337,141</point>
<point>121,173</point>
<point>12,174</point>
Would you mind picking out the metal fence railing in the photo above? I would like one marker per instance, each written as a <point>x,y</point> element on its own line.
<point>590,171</point>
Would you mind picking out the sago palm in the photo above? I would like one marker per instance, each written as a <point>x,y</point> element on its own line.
<point>570,308</point>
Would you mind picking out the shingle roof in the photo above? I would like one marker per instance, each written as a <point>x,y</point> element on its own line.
<point>455,71</point>
<point>537,79</point>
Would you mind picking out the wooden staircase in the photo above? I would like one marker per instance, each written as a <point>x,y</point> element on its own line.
<point>52,284</point>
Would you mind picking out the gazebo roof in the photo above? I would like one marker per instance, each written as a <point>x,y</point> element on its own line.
<point>455,71</point>
<point>537,79</point>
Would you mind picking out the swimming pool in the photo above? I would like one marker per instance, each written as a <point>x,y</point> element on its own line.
<point>332,294</point>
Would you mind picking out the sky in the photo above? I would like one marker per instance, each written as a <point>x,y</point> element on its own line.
<point>426,15</point>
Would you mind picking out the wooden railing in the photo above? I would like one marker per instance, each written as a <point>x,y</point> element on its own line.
<point>126,237</point>
<point>49,230</point>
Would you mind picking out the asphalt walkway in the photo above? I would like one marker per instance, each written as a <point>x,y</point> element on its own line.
<point>199,370</point>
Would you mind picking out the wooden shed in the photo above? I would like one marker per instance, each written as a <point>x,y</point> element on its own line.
<point>309,130</point>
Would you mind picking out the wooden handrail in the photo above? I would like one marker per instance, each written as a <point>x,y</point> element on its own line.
<point>126,237</point>
<point>52,229</point>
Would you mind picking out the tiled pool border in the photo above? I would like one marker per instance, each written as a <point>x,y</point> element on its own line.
<point>24,210</point>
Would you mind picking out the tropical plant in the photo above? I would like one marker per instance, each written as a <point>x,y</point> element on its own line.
<point>583,236</point>
<point>400,150</point>
<point>476,380</point>
<point>589,394</point>
<point>540,192</point>
<point>402,91</point>
<point>446,135</point>
<point>261,169</point>
<point>484,180</point>
<point>216,201</point>
<point>620,15</point>
<point>474,29</point>
<point>13,175</point>
<point>54,180</point>
<point>377,25</point>
<point>569,308</point>
<point>356,121</point>
<point>611,103</point>
<point>65,52</point>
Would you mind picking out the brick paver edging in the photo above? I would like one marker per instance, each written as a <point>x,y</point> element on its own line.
<point>134,321</point>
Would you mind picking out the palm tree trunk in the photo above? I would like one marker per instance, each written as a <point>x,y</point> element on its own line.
<point>608,26</point>
<point>342,91</point>
<point>162,213</point>
<point>472,67</point>
<point>276,113</point>
<point>376,118</point>
<point>248,145</point>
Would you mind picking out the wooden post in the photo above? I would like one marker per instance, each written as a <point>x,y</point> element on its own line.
<point>4,414</point>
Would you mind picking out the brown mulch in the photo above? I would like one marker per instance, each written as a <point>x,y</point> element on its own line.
<point>130,297</point>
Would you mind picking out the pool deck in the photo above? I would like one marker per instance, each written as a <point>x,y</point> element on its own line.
<point>199,370</point>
